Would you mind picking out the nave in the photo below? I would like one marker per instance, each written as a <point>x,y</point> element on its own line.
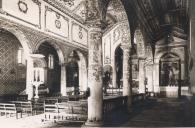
<point>95,63</point>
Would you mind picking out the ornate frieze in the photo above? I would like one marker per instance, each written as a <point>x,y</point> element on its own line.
<point>117,34</point>
<point>68,3</point>
<point>140,43</point>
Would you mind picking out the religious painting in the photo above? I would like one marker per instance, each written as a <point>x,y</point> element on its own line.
<point>169,73</point>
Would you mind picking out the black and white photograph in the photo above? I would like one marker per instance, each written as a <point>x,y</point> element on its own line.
<point>97,63</point>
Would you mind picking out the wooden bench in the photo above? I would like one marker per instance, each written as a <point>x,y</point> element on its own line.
<point>10,108</point>
<point>26,107</point>
<point>50,109</point>
<point>73,111</point>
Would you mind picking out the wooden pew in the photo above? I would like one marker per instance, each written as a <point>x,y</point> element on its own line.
<point>26,107</point>
<point>50,109</point>
<point>10,108</point>
<point>75,111</point>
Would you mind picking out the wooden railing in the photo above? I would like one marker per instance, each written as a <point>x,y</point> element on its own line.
<point>112,103</point>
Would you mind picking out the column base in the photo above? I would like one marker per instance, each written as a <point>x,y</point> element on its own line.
<point>93,124</point>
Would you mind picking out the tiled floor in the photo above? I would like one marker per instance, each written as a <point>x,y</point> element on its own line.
<point>154,112</point>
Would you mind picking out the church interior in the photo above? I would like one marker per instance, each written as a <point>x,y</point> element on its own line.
<point>97,63</point>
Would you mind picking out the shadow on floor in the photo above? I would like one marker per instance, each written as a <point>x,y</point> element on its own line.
<point>153,112</point>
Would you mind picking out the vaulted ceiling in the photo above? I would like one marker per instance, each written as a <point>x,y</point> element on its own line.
<point>158,18</point>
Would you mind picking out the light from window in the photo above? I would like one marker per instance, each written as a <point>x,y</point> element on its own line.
<point>51,61</point>
<point>20,55</point>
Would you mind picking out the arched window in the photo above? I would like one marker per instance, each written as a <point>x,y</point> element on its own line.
<point>51,61</point>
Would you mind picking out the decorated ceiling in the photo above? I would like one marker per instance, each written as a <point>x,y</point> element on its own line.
<point>157,18</point>
<point>77,8</point>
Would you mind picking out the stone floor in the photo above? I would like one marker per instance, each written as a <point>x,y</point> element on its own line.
<point>152,112</point>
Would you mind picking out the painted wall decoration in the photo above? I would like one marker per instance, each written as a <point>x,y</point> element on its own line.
<point>12,74</point>
<point>56,23</point>
<point>107,50</point>
<point>79,34</point>
<point>117,34</point>
<point>139,40</point>
<point>26,11</point>
<point>70,4</point>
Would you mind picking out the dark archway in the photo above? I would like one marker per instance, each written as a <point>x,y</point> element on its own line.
<point>119,66</point>
<point>53,67</point>
<point>72,70</point>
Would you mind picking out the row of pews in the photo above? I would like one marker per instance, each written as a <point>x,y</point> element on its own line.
<point>11,108</point>
<point>65,111</point>
<point>61,108</point>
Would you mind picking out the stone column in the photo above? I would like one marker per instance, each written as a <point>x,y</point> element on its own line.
<point>95,65</point>
<point>29,78</point>
<point>126,74</point>
<point>142,86</point>
<point>114,76</point>
<point>156,78</point>
<point>63,79</point>
<point>192,45</point>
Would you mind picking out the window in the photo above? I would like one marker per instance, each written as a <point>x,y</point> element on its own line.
<point>51,61</point>
<point>20,50</point>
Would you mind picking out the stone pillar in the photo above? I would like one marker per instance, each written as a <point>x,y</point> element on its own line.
<point>156,78</point>
<point>95,66</point>
<point>63,79</point>
<point>126,74</point>
<point>192,45</point>
<point>114,76</point>
<point>142,86</point>
<point>29,78</point>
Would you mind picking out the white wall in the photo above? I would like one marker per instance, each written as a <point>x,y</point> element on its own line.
<point>41,16</point>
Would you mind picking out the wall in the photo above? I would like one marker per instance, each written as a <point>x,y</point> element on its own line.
<point>111,39</point>
<point>12,74</point>
<point>42,16</point>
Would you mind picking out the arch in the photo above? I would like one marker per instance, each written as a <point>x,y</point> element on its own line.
<point>54,73</point>
<point>20,36</point>
<point>56,47</point>
<point>82,65</point>
<point>170,55</point>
